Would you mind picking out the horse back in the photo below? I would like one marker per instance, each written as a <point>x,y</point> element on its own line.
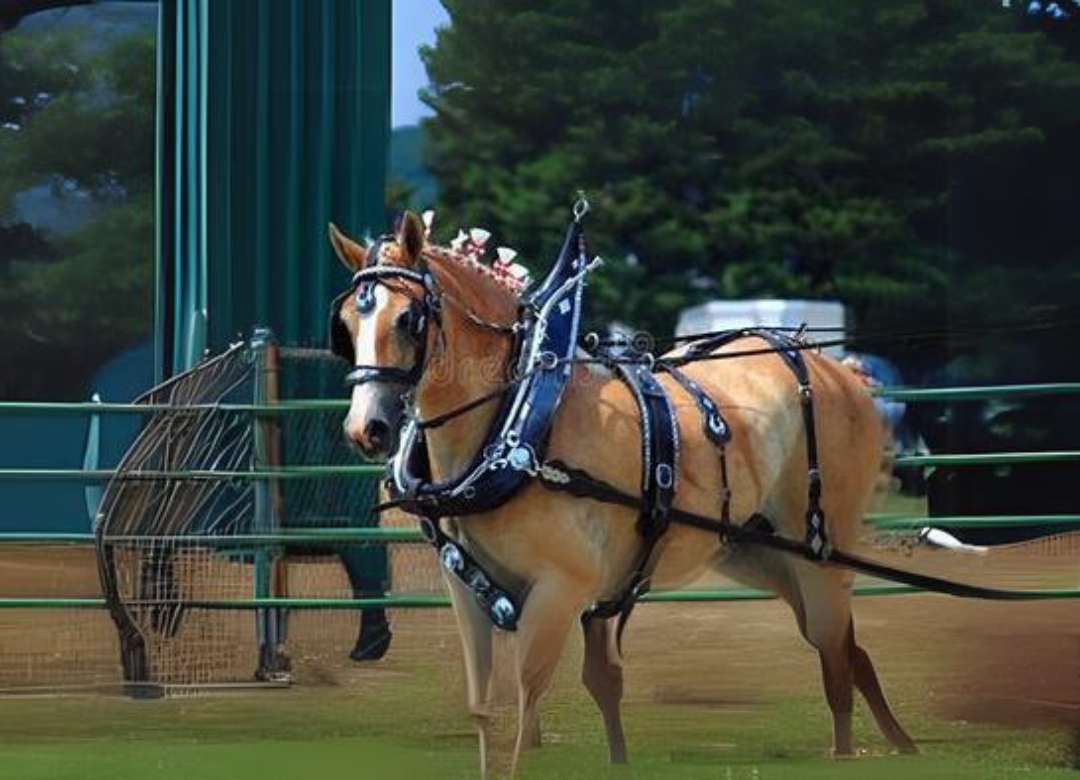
<point>759,397</point>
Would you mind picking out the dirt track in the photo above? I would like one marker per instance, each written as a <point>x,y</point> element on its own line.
<point>1009,663</point>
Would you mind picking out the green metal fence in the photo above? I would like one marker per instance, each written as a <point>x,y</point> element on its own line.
<point>396,536</point>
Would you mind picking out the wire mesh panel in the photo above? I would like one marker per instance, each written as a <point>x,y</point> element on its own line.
<point>233,491</point>
<point>178,486</point>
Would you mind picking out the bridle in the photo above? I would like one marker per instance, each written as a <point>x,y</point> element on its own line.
<point>428,310</point>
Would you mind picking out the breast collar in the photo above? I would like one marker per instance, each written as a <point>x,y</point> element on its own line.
<point>548,323</point>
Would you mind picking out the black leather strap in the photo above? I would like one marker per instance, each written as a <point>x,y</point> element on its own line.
<point>790,349</point>
<point>659,475</point>
<point>497,602</point>
<point>715,427</point>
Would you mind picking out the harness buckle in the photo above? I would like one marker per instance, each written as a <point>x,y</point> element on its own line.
<point>548,361</point>
<point>427,528</point>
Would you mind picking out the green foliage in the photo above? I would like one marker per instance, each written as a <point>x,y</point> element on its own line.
<point>897,156</point>
<point>81,120</point>
<point>411,186</point>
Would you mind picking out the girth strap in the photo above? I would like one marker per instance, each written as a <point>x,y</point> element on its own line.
<point>659,472</point>
<point>659,448</point>
<point>715,427</point>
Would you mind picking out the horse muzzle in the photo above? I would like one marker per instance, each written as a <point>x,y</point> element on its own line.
<point>374,420</point>
<point>375,437</point>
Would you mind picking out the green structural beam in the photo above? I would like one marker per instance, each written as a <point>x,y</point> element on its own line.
<point>909,522</point>
<point>274,119</point>
<point>988,458</point>
<point>98,475</point>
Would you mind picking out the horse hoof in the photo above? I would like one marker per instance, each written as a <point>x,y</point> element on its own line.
<point>373,643</point>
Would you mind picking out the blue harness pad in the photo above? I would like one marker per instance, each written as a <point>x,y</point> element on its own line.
<point>549,323</point>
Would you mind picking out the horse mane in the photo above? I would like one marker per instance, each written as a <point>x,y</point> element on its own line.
<point>469,262</point>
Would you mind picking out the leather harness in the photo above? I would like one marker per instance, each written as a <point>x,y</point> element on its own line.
<point>547,334</point>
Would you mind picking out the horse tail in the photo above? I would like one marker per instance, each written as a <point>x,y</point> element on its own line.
<point>884,480</point>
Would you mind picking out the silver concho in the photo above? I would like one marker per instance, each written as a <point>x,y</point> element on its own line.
<point>520,459</point>
<point>503,612</point>
<point>451,558</point>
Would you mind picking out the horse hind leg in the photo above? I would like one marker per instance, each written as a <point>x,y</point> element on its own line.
<point>825,619</point>
<point>602,674</point>
<point>866,680</point>
<point>822,605</point>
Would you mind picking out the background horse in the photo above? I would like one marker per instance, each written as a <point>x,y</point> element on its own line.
<point>564,553</point>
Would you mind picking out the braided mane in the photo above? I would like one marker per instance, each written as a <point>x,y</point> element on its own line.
<point>446,254</point>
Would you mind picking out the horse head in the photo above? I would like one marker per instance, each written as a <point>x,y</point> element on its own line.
<point>380,325</point>
<point>405,346</point>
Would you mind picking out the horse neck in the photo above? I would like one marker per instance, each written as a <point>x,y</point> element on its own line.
<point>469,362</point>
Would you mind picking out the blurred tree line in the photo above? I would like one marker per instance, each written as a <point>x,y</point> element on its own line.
<point>77,128</point>
<point>915,159</point>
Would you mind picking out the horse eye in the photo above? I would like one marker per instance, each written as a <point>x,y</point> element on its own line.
<point>404,321</point>
<point>410,322</point>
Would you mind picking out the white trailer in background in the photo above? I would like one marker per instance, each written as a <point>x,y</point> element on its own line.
<point>767,313</point>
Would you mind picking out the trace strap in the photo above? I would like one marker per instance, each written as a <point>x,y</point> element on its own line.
<point>556,475</point>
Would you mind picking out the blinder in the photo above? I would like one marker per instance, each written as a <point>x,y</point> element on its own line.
<point>362,291</point>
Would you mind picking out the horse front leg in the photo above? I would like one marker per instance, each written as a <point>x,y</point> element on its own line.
<point>602,674</point>
<point>543,628</point>
<point>475,631</point>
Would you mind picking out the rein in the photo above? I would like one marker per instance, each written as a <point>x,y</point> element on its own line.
<point>757,529</point>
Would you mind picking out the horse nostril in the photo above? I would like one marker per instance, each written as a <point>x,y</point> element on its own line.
<point>377,434</point>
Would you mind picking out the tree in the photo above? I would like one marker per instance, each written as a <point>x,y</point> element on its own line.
<point>893,155</point>
<point>80,119</point>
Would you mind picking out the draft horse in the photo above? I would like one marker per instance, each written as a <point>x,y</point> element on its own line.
<point>440,347</point>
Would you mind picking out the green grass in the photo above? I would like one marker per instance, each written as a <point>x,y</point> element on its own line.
<point>421,732</point>
<point>175,759</point>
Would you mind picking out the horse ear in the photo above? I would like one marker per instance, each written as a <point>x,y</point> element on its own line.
<point>411,236</point>
<point>350,253</point>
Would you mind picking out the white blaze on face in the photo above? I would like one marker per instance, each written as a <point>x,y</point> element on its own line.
<point>364,349</point>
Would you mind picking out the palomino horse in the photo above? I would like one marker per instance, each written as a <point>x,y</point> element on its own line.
<point>566,553</point>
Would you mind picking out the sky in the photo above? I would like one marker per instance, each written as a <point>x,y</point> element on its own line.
<point>414,23</point>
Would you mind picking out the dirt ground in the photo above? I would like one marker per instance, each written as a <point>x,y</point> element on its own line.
<point>1011,663</point>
